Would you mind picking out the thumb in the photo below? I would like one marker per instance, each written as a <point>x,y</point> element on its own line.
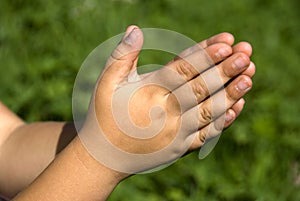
<point>123,59</point>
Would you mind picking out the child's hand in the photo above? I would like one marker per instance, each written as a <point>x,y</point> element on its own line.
<point>136,123</point>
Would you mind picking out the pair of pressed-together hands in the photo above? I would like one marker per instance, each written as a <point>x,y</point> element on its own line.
<point>138,122</point>
<point>166,113</point>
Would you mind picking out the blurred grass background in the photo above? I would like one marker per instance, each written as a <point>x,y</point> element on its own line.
<point>43,43</point>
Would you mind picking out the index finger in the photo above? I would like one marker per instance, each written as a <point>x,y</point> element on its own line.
<point>224,37</point>
<point>177,73</point>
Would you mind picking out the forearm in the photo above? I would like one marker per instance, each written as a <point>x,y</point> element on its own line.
<point>73,175</point>
<point>28,150</point>
<point>8,122</point>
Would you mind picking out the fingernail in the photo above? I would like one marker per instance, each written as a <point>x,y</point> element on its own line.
<point>223,52</point>
<point>132,37</point>
<point>239,63</point>
<point>242,86</point>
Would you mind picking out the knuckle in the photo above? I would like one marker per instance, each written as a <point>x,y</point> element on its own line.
<point>174,105</point>
<point>202,136</point>
<point>199,89</point>
<point>119,53</point>
<point>116,54</point>
<point>185,69</point>
<point>205,115</point>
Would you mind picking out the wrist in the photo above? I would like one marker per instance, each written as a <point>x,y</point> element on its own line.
<point>112,177</point>
<point>73,170</point>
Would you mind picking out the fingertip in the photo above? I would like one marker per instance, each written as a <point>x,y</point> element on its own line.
<point>219,51</point>
<point>223,37</point>
<point>247,79</point>
<point>250,71</point>
<point>252,68</point>
<point>124,57</point>
<point>130,28</point>
<point>228,37</point>
<point>128,31</point>
<point>230,116</point>
<point>238,106</point>
<point>241,101</point>
<point>243,47</point>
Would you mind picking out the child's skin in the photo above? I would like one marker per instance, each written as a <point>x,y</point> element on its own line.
<point>26,150</point>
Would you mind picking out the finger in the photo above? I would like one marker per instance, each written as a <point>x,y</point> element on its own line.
<point>226,119</point>
<point>234,112</point>
<point>215,78</point>
<point>218,38</point>
<point>190,66</point>
<point>244,47</point>
<point>226,38</point>
<point>219,103</point>
<point>213,129</point>
<point>208,132</point>
<point>181,71</point>
<point>124,57</point>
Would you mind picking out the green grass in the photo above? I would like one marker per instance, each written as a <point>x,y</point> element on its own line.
<point>43,43</point>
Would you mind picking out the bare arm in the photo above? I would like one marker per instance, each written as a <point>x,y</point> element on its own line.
<point>75,174</point>
<point>27,149</point>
